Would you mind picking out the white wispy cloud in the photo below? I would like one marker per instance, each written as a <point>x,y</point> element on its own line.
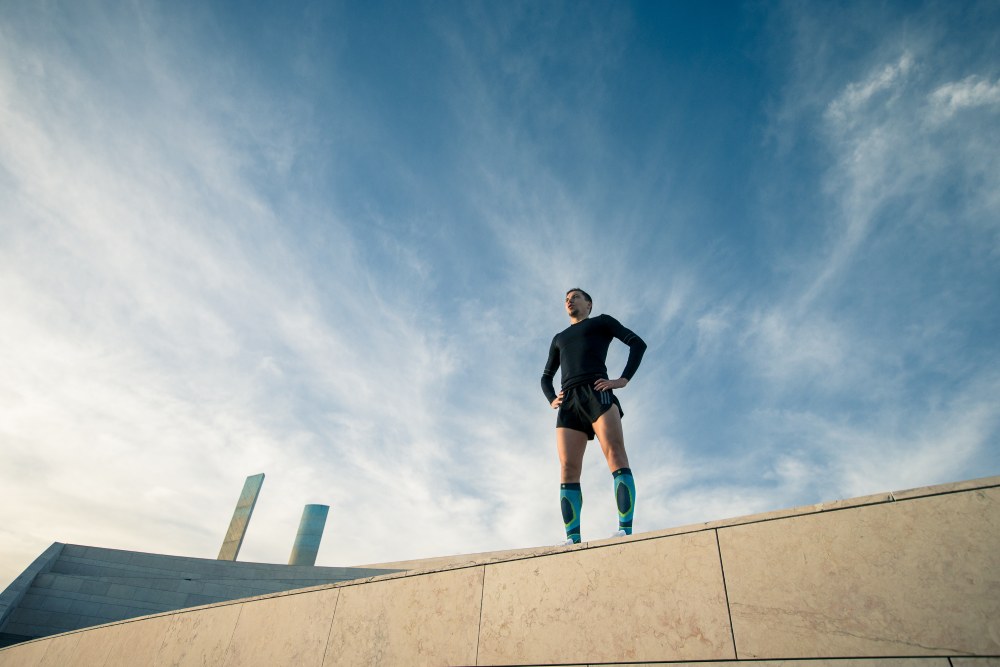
<point>847,109</point>
<point>973,91</point>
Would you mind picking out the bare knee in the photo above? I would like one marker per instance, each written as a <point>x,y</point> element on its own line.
<point>571,445</point>
<point>614,452</point>
<point>570,473</point>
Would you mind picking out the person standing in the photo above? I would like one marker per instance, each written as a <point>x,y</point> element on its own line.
<point>587,406</point>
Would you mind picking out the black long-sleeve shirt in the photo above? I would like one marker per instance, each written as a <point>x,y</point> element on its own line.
<point>582,351</point>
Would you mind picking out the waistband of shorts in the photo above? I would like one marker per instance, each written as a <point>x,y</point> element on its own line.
<point>586,382</point>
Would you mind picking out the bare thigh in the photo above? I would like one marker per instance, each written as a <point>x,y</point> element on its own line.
<point>571,445</point>
<point>608,428</point>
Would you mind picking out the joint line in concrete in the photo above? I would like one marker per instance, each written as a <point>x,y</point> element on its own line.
<point>479,629</point>
<point>229,644</point>
<point>725,591</point>
<point>329,634</point>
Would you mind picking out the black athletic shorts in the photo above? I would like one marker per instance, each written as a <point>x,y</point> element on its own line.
<point>582,406</point>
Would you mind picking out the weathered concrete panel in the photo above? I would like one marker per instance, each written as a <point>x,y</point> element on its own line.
<point>659,599</point>
<point>135,584</point>
<point>23,655</point>
<point>950,487</point>
<point>920,577</point>
<point>199,637</point>
<point>137,642</point>
<point>430,619</point>
<point>975,662</point>
<point>94,646</point>
<point>289,629</point>
<point>844,662</point>
<point>62,651</point>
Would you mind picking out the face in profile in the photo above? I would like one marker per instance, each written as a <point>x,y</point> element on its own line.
<point>577,305</point>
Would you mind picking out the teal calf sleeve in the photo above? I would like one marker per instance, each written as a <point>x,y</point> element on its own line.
<point>624,498</point>
<point>571,502</point>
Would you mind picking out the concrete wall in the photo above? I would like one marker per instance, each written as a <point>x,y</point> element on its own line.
<point>909,579</point>
<point>13,595</point>
<point>79,586</point>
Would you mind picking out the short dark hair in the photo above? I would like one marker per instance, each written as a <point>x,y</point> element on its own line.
<point>585,295</point>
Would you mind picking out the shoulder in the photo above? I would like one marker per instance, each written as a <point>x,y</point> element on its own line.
<point>606,320</point>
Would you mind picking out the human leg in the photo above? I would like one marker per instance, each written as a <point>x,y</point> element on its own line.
<point>571,446</point>
<point>608,428</point>
<point>611,436</point>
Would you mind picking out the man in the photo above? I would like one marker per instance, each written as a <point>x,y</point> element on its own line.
<point>588,406</point>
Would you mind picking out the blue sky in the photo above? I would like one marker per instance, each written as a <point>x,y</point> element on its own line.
<point>330,241</point>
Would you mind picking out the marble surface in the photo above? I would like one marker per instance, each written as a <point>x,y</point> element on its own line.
<point>951,487</point>
<point>834,662</point>
<point>920,577</point>
<point>650,600</point>
<point>289,629</point>
<point>832,505</point>
<point>62,651</point>
<point>137,641</point>
<point>199,637</point>
<point>24,655</point>
<point>421,620</point>
<point>436,564</point>
<point>95,645</point>
<point>976,662</point>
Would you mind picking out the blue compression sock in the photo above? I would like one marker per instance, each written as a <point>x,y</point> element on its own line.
<point>571,502</point>
<point>624,498</point>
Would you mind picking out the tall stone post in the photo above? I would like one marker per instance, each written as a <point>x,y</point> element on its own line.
<point>309,536</point>
<point>241,518</point>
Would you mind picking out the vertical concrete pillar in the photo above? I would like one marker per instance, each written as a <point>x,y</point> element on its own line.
<point>241,518</point>
<point>310,533</point>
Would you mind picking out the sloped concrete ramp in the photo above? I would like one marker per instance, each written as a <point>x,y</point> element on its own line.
<point>906,579</point>
<point>73,587</point>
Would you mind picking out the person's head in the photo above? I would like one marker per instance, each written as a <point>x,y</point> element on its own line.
<point>578,303</point>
